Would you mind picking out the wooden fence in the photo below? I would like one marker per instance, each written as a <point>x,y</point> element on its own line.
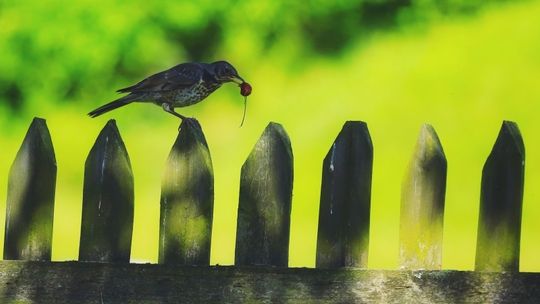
<point>103,273</point>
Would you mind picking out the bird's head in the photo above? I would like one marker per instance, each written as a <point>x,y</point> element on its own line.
<point>225,72</point>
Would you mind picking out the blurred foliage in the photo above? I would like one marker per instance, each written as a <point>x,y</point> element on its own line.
<point>65,51</point>
<point>461,65</point>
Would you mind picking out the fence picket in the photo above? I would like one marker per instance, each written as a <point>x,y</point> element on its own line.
<point>266,182</point>
<point>187,200</point>
<point>343,235</point>
<point>30,198</point>
<point>422,204</point>
<point>499,225</point>
<point>107,215</point>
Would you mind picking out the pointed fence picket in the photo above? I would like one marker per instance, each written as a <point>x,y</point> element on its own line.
<point>107,213</point>
<point>30,199</point>
<point>343,235</point>
<point>499,227</point>
<point>260,273</point>
<point>264,210</point>
<point>422,205</point>
<point>187,200</point>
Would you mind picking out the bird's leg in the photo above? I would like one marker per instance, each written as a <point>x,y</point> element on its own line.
<point>167,108</point>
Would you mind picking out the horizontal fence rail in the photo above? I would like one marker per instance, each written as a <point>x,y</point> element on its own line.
<point>73,282</point>
<point>260,273</point>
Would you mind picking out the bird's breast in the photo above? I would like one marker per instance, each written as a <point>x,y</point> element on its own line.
<point>193,94</point>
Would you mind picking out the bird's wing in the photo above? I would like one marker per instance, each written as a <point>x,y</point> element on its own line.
<point>178,77</point>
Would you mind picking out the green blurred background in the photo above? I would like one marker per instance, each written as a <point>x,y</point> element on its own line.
<point>461,65</point>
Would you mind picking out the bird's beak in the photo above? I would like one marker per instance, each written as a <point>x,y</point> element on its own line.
<point>237,79</point>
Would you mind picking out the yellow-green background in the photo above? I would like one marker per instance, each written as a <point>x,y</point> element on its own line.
<point>463,66</point>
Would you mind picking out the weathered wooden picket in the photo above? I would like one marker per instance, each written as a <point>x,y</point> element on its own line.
<point>103,273</point>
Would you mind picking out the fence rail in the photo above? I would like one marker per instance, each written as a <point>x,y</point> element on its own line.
<point>75,282</point>
<point>262,240</point>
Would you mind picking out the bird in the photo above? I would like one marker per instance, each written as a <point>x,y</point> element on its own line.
<point>182,85</point>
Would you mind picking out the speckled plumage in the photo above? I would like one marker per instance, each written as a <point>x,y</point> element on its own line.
<point>179,86</point>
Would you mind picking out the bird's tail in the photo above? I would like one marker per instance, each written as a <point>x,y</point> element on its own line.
<point>120,102</point>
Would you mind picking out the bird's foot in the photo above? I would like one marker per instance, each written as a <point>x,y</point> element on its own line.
<point>189,122</point>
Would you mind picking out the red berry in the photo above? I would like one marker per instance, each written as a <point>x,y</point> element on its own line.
<point>245,89</point>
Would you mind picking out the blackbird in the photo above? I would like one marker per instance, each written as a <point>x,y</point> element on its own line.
<point>180,86</point>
